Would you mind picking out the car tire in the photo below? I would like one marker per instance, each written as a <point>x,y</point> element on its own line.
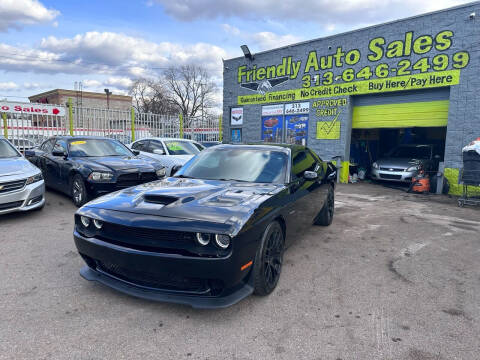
<point>268,260</point>
<point>325,216</point>
<point>78,191</point>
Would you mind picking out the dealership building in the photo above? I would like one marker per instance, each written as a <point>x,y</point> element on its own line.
<point>353,97</point>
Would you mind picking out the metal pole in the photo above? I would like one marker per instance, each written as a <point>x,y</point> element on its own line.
<point>132,118</point>
<point>5,125</point>
<point>181,125</point>
<point>70,115</point>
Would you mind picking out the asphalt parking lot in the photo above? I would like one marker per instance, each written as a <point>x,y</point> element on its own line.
<point>396,276</point>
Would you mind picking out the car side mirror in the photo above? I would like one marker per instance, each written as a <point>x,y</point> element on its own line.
<point>332,176</point>
<point>59,153</point>
<point>159,152</point>
<point>310,175</point>
<point>136,152</point>
<point>175,168</point>
<point>29,153</point>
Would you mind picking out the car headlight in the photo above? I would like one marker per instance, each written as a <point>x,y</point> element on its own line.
<point>98,223</point>
<point>413,168</point>
<point>203,239</point>
<point>161,173</point>
<point>85,221</point>
<point>222,241</point>
<point>34,179</point>
<point>375,165</point>
<point>100,176</point>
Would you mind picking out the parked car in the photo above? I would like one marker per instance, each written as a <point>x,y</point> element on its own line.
<point>208,144</point>
<point>86,167</point>
<point>171,153</point>
<point>21,183</point>
<point>212,234</point>
<point>402,163</point>
<point>22,144</point>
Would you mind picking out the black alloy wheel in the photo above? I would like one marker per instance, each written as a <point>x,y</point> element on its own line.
<point>79,191</point>
<point>325,216</point>
<point>269,259</point>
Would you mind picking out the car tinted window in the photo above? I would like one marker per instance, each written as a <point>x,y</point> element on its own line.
<point>97,147</point>
<point>155,145</point>
<point>139,145</point>
<point>7,150</point>
<point>60,145</point>
<point>47,146</point>
<point>302,161</point>
<point>250,165</point>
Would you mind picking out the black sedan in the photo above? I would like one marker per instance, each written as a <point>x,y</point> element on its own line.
<point>86,167</point>
<point>212,234</point>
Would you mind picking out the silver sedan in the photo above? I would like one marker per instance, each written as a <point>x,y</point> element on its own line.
<point>21,183</point>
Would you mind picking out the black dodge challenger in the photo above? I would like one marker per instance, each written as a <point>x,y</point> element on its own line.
<point>86,167</point>
<point>212,234</point>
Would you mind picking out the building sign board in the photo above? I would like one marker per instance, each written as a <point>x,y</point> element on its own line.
<point>375,86</point>
<point>31,108</point>
<point>236,116</point>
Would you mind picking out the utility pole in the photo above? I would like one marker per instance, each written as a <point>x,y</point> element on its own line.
<point>108,92</point>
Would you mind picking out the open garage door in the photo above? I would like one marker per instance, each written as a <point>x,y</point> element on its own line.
<point>382,123</point>
<point>428,108</point>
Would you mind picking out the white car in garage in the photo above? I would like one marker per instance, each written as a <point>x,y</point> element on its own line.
<point>169,152</point>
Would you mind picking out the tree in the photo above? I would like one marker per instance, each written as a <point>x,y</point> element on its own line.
<point>191,89</point>
<point>150,96</point>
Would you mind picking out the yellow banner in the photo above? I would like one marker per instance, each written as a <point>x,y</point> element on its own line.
<point>375,86</point>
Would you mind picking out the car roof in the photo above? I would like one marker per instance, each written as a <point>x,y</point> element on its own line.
<point>166,139</point>
<point>261,146</point>
<point>68,137</point>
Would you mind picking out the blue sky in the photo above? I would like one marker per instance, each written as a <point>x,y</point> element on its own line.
<point>47,44</point>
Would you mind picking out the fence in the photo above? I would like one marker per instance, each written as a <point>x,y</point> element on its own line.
<point>40,122</point>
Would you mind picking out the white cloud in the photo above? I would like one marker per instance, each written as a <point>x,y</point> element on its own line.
<point>230,29</point>
<point>31,85</point>
<point>268,40</point>
<point>91,83</point>
<point>350,12</point>
<point>18,13</point>
<point>10,85</point>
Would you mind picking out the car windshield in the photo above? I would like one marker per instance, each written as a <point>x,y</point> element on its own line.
<point>251,165</point>
<point>97,147</point>
<point>7,150</point>
<point>411,152</point>
<point>179,147</point>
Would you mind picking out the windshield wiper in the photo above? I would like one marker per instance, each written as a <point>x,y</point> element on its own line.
<point>233,180</point>
<point>184,176</point>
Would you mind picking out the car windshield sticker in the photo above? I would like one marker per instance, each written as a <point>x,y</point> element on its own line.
<point>174,146</point>
<point>80,142</point>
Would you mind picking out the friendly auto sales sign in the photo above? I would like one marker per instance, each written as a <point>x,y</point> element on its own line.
<point>30,108</point>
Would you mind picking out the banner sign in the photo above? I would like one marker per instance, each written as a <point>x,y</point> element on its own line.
<point>296,129</point>
<point>39,109</point>
<point>272,110</point>
<point>328,130</point>
<point>397,83</point>
<point>236,117</point>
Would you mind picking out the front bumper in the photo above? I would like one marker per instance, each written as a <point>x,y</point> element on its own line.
<point>111,265</point>
<point>30,197</point>
<point>398,176</point>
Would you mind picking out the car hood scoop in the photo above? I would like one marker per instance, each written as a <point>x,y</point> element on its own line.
<point>159,199</point>
<point>195,199</point>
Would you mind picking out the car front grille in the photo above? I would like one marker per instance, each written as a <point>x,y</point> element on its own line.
<point>145,239</point>
<point>11,205</point>
<point>390,176</point>
<point>160,280</point>
<point>391,169</point>
<point>12,186</point>
<point>133,179</point>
